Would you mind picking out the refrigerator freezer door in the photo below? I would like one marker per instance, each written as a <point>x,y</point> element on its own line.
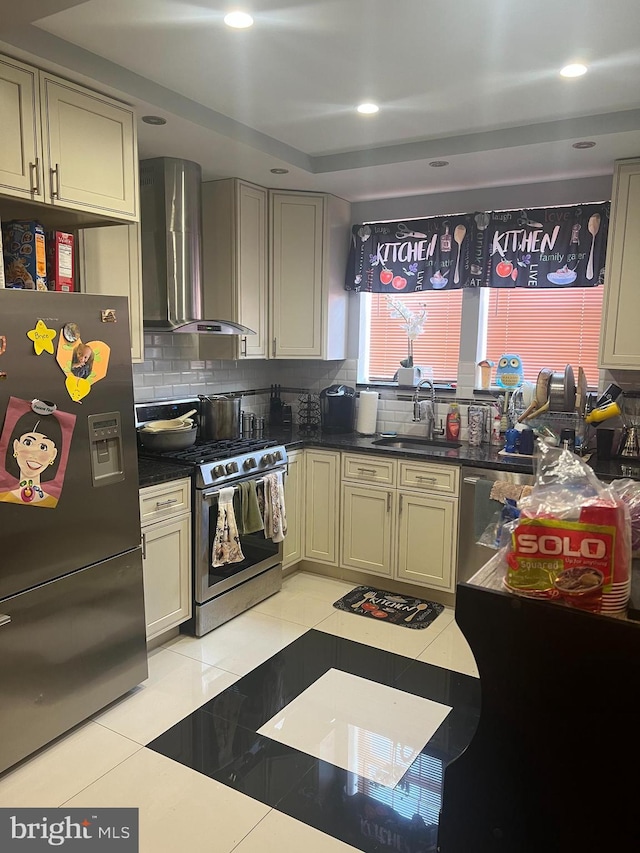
<point>67,649</point>
<point>93,520</point>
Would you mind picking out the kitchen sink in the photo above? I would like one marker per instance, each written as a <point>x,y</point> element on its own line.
<point>410,442</point>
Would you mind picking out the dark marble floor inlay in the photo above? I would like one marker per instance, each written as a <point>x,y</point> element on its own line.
<point>220,740</point>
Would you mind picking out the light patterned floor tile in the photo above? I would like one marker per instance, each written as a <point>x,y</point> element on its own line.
<point>64,768</point>
<point>241,644</point>
<point>176,686</point>
<point>180,809</point>
<point>392,638</point>
<point>369,729</point>
<point>279,833</point>
<point>450,650</point>
<point>305,599</point>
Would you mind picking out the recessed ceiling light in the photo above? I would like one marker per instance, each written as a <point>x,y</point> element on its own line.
<point>576,69</point>
<point>279,171</point>
<point>438,163</point>
<point>238,20</point>
<point>585,144</point>
<point>154,120</point>
<point>368,109</point>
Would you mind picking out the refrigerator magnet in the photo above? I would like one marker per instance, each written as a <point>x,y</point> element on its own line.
<point>34,455</point>
<point>108,315</point>
<point>42,338</point>
<point>43,407</point>
<point>83,364</point>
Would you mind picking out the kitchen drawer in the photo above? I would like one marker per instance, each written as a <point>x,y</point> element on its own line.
<point>432,478</point>
<point>368,469</point>
<point>164,500</point>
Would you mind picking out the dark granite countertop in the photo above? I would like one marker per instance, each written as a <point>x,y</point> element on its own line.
<point>485,456</point>
<point>152,471</point>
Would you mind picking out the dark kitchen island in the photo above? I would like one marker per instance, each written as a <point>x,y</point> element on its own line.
<point>551,765</point>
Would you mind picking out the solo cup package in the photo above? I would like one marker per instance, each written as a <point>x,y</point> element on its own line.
<point>572,540</point>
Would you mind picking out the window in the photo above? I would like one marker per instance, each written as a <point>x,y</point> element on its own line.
<point>437,347</point>
<point>547,328</point>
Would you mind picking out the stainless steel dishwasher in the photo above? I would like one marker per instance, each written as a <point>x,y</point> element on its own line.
<point>471,556</point>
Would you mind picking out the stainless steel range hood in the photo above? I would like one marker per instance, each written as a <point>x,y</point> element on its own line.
<point>171,233</point>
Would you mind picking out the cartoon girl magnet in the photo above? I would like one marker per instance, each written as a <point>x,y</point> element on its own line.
<point>34,452</point>
<point>82,363</point>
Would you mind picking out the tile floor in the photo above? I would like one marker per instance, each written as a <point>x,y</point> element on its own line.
<point>293,727</point>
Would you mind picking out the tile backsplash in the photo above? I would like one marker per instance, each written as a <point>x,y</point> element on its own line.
<point>172,369</point>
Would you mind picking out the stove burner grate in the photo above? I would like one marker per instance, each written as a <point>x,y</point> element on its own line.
<point>212,451</point>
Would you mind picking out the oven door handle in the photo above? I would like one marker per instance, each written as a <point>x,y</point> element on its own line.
<point>209,493</point>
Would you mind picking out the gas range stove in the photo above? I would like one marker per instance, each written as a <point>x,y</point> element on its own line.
<point>213,463</point>
<point>219,463</point>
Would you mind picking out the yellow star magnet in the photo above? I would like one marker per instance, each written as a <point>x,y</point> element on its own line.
<point>42,338</point>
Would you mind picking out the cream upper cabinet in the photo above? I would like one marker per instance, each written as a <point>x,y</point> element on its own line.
<point>321,506</point>
<point>234,249</point>
<point>110,263</point>
<point>20,158</point>
<point>90,150</point>
<point>65,145</point>
<point>619,341</point>
<point>294,504</point>
<point>309,241</point>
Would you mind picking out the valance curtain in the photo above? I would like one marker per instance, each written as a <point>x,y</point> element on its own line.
<point>558,247</point>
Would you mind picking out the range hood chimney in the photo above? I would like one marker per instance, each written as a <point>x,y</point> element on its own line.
<point>171,234</point>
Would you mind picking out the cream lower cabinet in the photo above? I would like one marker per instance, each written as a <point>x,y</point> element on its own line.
<point>322,506</point>
<point>292,551</point>
<point>400,519</point>
<point>110,263</point>
<point>427,531</point>
<point>166,555</point>
<point>619,341</point>
<point>367,529</point>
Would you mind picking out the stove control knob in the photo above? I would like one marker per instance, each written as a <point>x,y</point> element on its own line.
<point>267,459</point>
<point>277,456</point>
<point>249,463</point>
<point>232,468</point>
<point>219,471</point>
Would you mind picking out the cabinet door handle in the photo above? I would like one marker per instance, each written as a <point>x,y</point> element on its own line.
<point>55,184</point>
<point>4,619</point>
<point>166,503</point>
<point>274,348</point>
<point>388,501</point>
<point>427,479</point>
<point>400,506</point>
<point>367,470</point>
<point>244,346</point>
<point>144,546</point>
<point>34,169</point>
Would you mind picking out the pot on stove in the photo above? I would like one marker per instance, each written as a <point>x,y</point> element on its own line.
<point>219,417</point>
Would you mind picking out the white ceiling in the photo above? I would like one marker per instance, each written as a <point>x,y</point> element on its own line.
<point>473,83</point>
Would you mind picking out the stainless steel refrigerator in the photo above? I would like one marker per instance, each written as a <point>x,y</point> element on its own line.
<point>72,627</point>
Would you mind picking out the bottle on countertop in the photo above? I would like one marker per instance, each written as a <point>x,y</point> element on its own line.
<point>453,422</point>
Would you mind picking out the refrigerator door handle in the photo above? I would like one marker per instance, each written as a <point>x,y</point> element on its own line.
<point>4,619</point>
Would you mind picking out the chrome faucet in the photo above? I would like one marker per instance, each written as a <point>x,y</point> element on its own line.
<point>431,416</point>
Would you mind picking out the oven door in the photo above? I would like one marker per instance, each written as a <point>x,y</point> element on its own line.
<point>259,552</point>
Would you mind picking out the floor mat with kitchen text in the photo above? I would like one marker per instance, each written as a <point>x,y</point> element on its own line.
<point>389,607</point>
